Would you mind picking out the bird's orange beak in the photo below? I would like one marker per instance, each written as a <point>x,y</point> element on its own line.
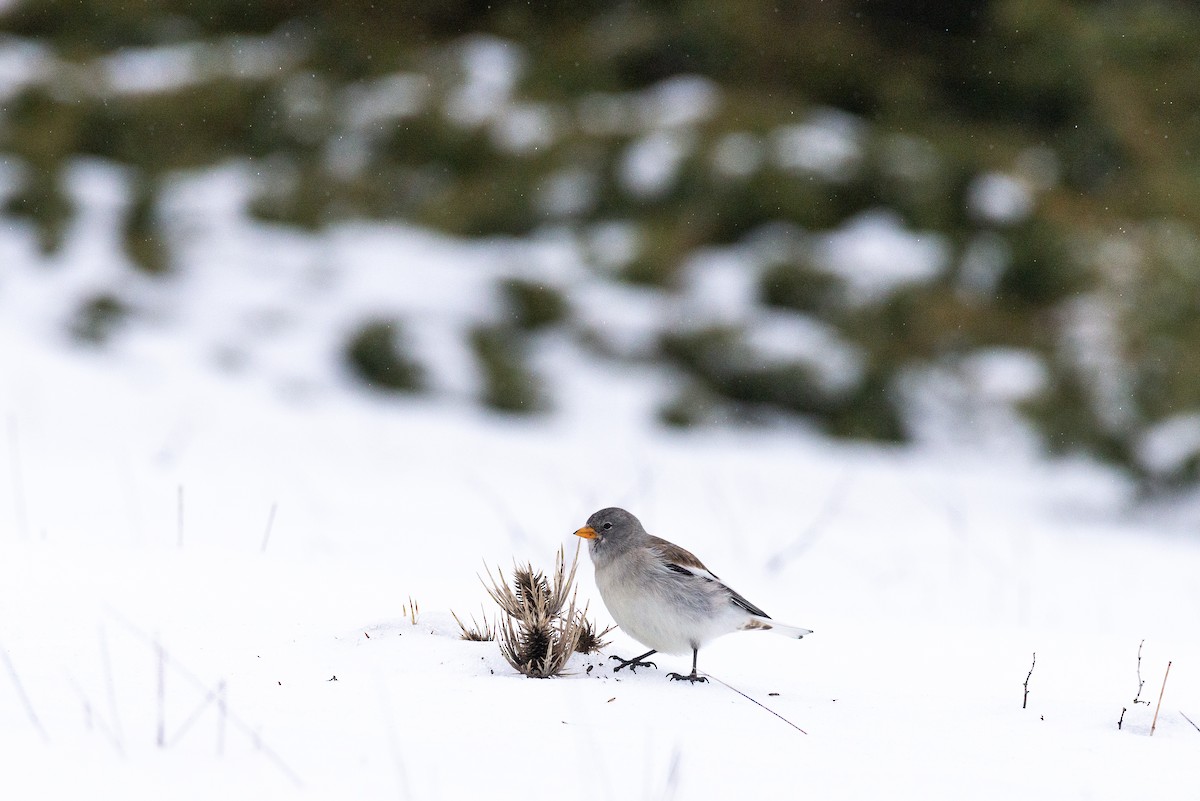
<point>587,532</point>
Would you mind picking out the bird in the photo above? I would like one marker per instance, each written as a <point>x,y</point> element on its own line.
<point>663,596</point>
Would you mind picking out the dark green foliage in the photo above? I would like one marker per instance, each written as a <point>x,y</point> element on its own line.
<point>379,356</point>
<point>508,383</point>
<point>1107,91</point>
<point>693,406</point>
<point>143,236</point>
<point>40,200</point>
<point>1041,272</point>
<point>532,305</point>
<point>722,363</point>
<point>871,411</point>
<point>798,286</point>
<point>97,318</point>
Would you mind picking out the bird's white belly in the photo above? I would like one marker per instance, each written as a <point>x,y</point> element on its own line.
<point>654,618</point>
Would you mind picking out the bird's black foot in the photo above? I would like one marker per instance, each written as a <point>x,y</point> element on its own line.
<point>692,677</point>
<point>633,664</point>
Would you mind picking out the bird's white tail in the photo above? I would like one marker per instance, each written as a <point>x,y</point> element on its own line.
<point>767,624</point>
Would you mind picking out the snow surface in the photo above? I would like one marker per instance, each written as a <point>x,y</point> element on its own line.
<point>190,553</point>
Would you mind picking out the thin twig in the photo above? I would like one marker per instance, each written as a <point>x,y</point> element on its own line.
<point>397,754</point>
<point>179,516</point>
<point>212,696</point>
<point>1141,682</point>
<point>805,539</point>
<point>92,718</point>
<point>222,715</point>
<point>1154,722</point>
<point>161,653</point>
<point>672,787</point>
<point>25,702</point>
<point>1025,700</point>
<point>111,688</point>
<point>1189,720</point>
<point>270,523</point>
<point>501,509</point>
<point>238,723</point>
<point>759,703</point>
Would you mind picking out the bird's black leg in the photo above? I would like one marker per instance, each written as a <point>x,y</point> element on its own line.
<point>692,677</point>
<point>635,663</point>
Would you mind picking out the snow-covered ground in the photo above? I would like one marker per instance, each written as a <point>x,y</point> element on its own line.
<point>191,553</point>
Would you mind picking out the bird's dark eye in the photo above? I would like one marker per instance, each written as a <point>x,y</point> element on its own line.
<point>606,526</point>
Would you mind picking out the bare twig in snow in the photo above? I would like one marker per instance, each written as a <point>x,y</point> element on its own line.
<point>1160,697</point>
<point>270,524</point>
<point>222,713</point>
<point>1025,700</point>
<point>214,696</point>
<point>510,520</point>
<point>1189,720</point>
<point>25,702</point>
<point>1137,699</point>
<point>92,718</point>
<point>111,688</point>
<point>759,703</point>
<point>805,539</point>
<point>393,740</point>
<point>180,669</point>
<point>1141,681</point>
<point>672,775</point>
<point>161,653</point>
<point>179,516</point>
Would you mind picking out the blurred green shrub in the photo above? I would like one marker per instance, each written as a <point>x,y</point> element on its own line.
<point>508,383</point>
<point>532,305</point>
<point>1102,93</point>
<point>379,355</point>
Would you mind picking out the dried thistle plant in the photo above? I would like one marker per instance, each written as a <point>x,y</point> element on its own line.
<point>476,632</point>
<point>591,641</point>
<point>541,627</point>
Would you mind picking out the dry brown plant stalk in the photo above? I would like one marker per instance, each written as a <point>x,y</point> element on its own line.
<point>1160,697</point>
<point>476,632</point>
<point>411,610</point>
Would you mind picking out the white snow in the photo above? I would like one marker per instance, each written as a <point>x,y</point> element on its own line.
<point>875,254</point>
<point>649,165</point>
<point>374,103</point>
<point>491,68</point>
<point>526,127</point>
<point>679,101</point>
<point>1166,446</point>
<point>188,557</point>
<point>828,144</point>
<point>999,198</point>
<point>738,154</point>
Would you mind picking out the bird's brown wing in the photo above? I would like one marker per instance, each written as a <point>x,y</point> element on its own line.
<point>681,560</point>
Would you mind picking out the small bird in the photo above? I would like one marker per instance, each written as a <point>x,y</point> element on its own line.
<point>662,595</point>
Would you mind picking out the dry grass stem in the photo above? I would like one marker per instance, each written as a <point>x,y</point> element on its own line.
<point>476,632</point>
<point>411,610</point>
<point>1160,697</point>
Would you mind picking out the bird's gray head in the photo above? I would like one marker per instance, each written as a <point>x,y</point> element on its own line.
<point>610,531</point>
